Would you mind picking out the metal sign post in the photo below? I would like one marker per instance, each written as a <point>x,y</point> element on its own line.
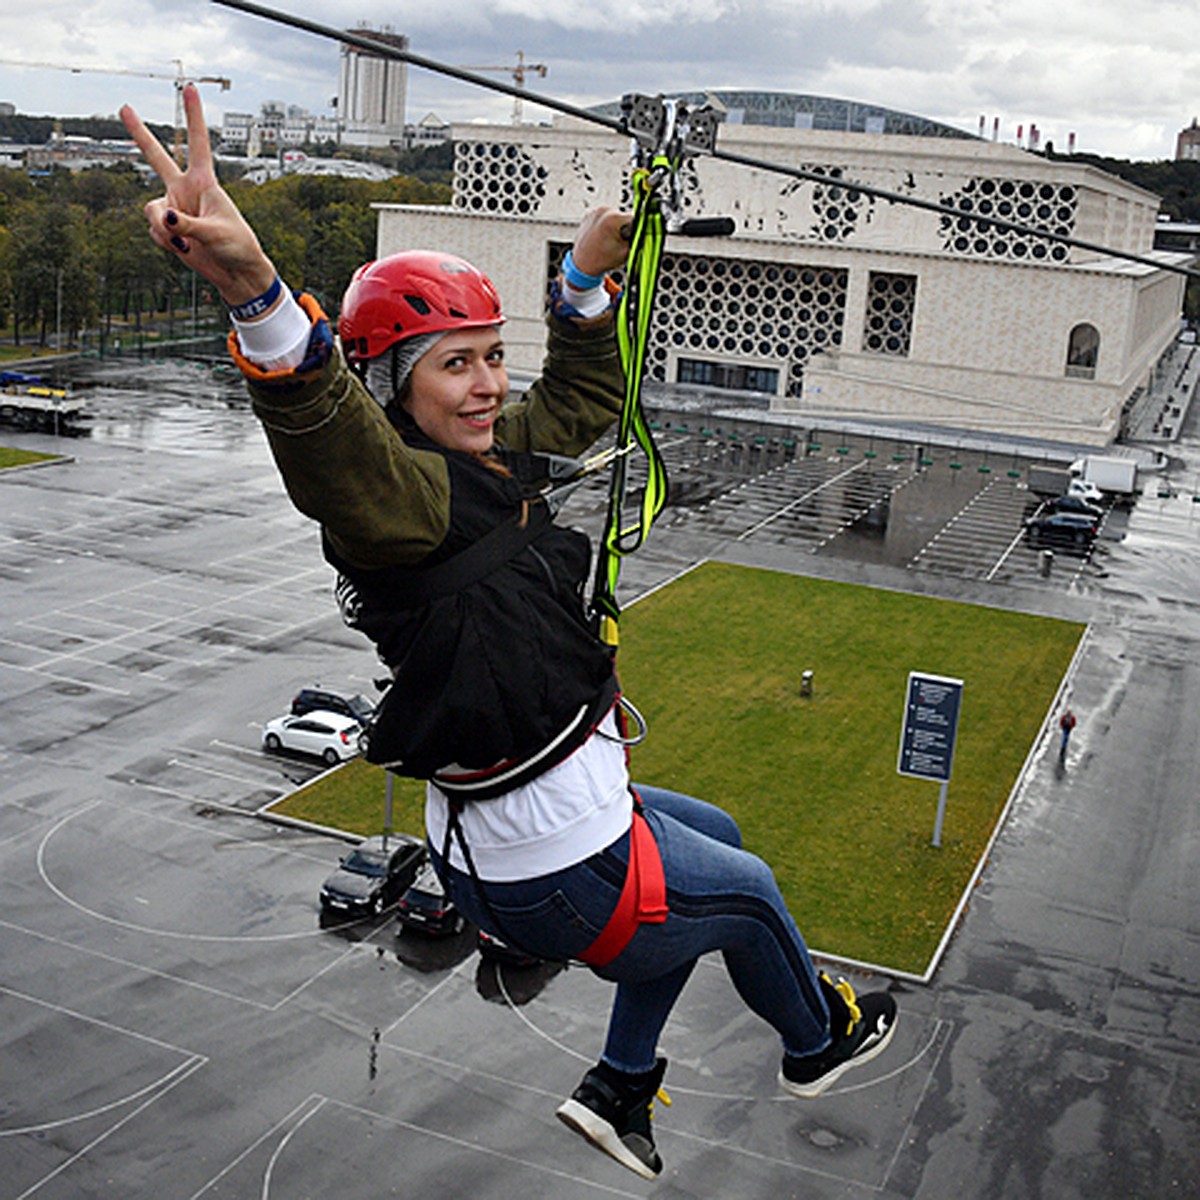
<point>387,807</point>
<point>928,733</point>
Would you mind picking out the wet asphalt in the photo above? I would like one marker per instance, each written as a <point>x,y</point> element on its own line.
<point>175,1022</point>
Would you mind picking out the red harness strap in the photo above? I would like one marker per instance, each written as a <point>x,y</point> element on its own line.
<point>643,897</point>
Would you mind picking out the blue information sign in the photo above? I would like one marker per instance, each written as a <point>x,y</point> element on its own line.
<point>930,726</point>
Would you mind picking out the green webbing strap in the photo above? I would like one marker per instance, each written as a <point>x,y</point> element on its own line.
<point>647,235</point>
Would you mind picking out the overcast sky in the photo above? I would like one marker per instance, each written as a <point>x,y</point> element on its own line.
<point>1123,75</point>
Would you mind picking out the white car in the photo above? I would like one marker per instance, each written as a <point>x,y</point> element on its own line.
<point>1085,491</point>
<point>330,736</point>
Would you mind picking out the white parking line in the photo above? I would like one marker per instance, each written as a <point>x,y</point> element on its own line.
<point>799,500</point>
<point>213,772</point>
<point>73,680</point>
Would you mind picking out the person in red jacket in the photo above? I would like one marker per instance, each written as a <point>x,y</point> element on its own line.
<point>1065,725</point>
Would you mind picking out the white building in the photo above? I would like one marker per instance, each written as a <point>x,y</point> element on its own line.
<point>236,131</point>
<point>371,92</point>
<point>296,162</point>
<point>430,130</point>
<point>833,301</point>
<point>1187,144</point>
<point>78,152</point>
<point>14,155</point>
<point>370,110</point>
<point>276,128</point>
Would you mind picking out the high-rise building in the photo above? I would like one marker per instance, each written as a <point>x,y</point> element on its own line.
<point>1188,143</point>
<point>371,92</point>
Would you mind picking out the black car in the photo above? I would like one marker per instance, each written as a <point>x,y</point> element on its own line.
<point>373,875</point>
<point>350,704</point>
<point>1071,528</point>
<point>425,906</point>
<point>1074,504</point>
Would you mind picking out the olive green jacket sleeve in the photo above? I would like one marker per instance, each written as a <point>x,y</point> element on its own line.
<point>578,396</point>
<point>383,503</point>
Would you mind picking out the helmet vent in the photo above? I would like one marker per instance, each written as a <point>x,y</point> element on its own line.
<point>462,316</point>
<point>417,304</point>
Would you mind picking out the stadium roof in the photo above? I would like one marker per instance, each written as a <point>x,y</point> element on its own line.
<point>798,111</point>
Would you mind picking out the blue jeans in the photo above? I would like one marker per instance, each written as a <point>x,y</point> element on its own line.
<point>721,898</point>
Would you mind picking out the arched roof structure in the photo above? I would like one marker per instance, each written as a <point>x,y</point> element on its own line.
<point>799,110</point>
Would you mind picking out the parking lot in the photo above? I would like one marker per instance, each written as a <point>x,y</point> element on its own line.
<point>920,508</point>
<point>178,1023</point>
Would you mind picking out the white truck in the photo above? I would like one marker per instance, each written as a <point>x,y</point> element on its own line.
<point>1116,476</point>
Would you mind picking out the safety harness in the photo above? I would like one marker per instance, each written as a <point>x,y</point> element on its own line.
<point>643,899</point>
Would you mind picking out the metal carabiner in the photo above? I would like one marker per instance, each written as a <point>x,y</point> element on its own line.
<point>640,721</point>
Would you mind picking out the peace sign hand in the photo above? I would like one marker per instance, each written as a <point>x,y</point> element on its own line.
<point>196,220</point>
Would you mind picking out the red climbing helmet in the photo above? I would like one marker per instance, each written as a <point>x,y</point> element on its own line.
<point>413,292</point>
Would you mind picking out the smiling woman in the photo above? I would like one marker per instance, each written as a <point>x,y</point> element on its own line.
<point>424,331</point>
<point>458,387</point>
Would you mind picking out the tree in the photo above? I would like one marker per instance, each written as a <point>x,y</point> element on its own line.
<point>281,224</point>
<point>343,238</point>
<point>5,281</point>
<point>102,188</point>
<point>46,258</point>
<point>125,258</point>
<point>14,186</point>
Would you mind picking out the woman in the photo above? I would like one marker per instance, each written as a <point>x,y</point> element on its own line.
<point>430,491</point>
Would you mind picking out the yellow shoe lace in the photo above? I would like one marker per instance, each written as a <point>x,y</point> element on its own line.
<point>843,989</point>
<point>661,1094</point>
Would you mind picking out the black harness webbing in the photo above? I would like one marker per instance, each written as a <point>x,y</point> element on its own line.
<point>479,560</point>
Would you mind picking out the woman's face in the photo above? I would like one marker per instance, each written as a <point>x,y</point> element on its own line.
<point>457,388</point>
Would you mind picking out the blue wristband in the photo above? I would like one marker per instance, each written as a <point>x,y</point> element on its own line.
<point>257,306</point>
<point>576,278</point>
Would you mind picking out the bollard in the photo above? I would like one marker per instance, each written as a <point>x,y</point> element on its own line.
<point>1047,563</point>
<point>806,683</point>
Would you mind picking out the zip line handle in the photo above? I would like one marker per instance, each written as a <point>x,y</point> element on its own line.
<point>703,227</point>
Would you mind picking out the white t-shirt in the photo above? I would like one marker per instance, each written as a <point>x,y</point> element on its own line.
<point>565,815</point>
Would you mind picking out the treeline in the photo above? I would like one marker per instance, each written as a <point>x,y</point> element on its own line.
<point>35,131</point>
<point>75,254</point>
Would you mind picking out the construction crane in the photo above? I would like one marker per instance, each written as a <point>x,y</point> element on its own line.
<point>180,79</point>
<point>518,72</point>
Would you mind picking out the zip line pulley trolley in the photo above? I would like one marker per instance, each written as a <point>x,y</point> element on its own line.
<point>664,133</point>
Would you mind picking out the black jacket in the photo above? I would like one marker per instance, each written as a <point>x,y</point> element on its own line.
<point>493,655</point>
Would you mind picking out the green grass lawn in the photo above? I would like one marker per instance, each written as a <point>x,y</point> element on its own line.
<point>19,458</point>
<point>714,662</point>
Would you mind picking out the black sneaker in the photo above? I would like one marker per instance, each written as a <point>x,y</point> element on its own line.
<point>861,1025</point>
<point>613,1110</point>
